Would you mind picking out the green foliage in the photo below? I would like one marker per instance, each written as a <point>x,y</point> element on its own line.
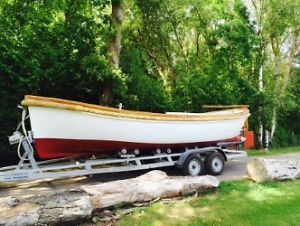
<point>288,130</point>
<point>175,56</point>
<point>207,66</point>
<point>145,88</point>
<point>52,48</point>
<point>285,137</point>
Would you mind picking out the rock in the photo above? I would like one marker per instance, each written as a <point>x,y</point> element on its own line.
<point>261,169</point>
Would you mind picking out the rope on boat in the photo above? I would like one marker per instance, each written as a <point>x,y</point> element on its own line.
<point>19,149</point>
<point>25,136</point>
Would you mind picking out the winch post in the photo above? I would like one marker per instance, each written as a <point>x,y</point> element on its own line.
<point>27,155</point>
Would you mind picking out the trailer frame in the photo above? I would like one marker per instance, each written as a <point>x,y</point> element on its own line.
<point>30,169</point>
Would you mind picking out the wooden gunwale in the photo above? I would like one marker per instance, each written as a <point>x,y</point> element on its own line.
<point>58,103</point>
<point>225,106</point>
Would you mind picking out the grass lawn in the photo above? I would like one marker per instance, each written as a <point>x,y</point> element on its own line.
<point>274,151</point>
<point>234,203</point>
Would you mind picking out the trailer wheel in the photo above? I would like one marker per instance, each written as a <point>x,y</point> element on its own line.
<point>215,163</point>
<point>193,166</point>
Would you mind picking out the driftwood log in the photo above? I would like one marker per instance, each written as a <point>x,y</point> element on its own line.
<point>78,205</point>
<point>261,169</point>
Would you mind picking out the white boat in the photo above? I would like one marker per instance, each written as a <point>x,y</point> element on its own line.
<point>68,128</point>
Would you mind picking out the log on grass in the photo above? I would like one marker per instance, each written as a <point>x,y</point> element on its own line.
<point>73,205</point>
<point>261,169</point>
<point>152,185</point>
<point>47,209</point>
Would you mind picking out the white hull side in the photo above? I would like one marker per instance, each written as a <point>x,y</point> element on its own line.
<point>67,124</point>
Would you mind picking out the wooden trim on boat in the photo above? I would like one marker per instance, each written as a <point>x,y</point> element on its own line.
<point>225,106</point>
<point>58,103</point>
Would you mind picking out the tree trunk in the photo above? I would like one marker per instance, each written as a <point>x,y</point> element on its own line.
<point>261,169</point>
<point>259,11</point>
<point>114,46</point>
<point>267,137</point>
<point>115,39</point>
<point>70,206</point>
<point>260,107</point>
<point>105,96</point>
<point>273,124</point>
<point>281,86</point>
<point>48,209</point>
<point>152,185</point>
<point>260,128</point>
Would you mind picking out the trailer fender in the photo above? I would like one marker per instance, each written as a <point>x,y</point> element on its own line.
<point>221,151</point>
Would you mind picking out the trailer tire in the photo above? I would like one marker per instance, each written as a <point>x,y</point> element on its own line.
<point>215,163</point>
<point>193,165</point>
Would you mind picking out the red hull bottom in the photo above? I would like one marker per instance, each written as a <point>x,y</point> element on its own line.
<point>51,148</point>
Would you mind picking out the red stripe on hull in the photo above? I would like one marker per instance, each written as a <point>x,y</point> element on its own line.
<point>50,148</point>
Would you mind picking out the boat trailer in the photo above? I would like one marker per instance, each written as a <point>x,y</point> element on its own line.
<point>192,161</point>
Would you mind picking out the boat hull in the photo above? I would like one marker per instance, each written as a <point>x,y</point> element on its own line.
<point>61,132</point>
<point>49,148</point>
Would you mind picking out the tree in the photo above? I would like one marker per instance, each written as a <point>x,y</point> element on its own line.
<point>278,30</point>
<point>114,48</point>
<point>189,43</point>
<point>52,48</point>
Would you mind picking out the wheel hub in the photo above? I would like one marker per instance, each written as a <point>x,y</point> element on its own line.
<point>217,164</point>
<point>194,167</point>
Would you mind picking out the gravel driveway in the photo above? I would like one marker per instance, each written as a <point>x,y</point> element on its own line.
<point>236,169</point>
